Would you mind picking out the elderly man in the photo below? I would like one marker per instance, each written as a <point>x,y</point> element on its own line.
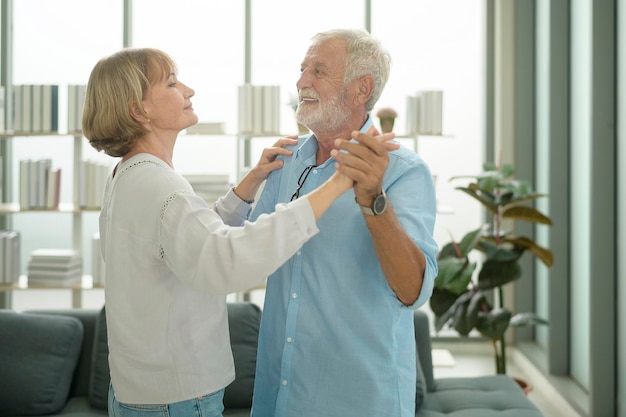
<point>337,329</point>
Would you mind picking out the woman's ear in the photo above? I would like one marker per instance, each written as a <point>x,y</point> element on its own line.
<point>139,115</point>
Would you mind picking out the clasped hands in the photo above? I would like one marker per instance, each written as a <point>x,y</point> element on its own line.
<point>361,164</point>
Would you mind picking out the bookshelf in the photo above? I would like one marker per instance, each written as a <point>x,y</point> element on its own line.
<point>75,209</point>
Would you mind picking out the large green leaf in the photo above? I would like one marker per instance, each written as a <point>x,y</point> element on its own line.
<point>478,303</point>
<point>486,199</point>
<point>459,321</point>
<point>495,274</point>
<point>502,251</point>
<point>456,310</point>
<point>525,213</point>
<point>527,319</point>
<point>454,274</point>
<point>448,250</point>
<point>469,241</point>
<point>494,323</point>
<point>441,301</point>
<point>543,254</point>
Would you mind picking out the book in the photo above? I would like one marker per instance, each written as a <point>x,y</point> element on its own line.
<point>27,108</point>
<point>43,167</point>
<point>75,104</point>
<point>24,182</point>
<point>55,282</point>
<point>55,255</point>
<point>97,265</point>
<point>37,108</point>
<point>412,115</point>
<point>50,108</point>
<point>245,108</point>
<point>270,109</point>
<point>10,256</point>
<point>3,126</point>
<point>431,109</point>
<point>209,187</point>
<point>257,109</point>
<point>53,188</point>
<point>40,266</point>
<point>16,111</point>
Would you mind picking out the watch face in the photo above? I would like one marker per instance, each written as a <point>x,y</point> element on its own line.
<point>380,203</point>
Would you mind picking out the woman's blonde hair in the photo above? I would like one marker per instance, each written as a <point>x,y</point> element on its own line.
<point>117,85</point>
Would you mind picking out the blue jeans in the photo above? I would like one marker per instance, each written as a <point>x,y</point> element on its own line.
<point>211,405</point>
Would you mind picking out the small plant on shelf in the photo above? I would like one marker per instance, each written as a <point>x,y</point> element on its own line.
<point>387,117</point>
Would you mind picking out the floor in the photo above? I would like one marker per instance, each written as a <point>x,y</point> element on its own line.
<point>471,359</point>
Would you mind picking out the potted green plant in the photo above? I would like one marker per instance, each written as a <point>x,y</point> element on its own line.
<point>469,296</point>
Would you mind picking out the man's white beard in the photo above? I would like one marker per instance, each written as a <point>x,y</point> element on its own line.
<point>329,116</point>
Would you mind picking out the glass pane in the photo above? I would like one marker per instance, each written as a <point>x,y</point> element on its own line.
<point>438,45</point>
<point>206,40</point>
<point>279,45</point>
<point>208,47</point>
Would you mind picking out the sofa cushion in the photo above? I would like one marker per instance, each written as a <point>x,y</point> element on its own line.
<point>39,354</point>
<point>486,396</point>
<point>99,376</point>
<point>244,320</point>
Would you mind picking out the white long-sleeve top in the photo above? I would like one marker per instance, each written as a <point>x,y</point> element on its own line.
<point>170,261</point>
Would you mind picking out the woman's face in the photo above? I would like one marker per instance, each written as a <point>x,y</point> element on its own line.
<point>168,105</point>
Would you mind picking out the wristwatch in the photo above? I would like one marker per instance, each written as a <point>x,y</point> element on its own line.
<point>378,205</point>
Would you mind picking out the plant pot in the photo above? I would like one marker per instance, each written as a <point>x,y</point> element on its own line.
<point>524,385</point>
<point>386,124</point>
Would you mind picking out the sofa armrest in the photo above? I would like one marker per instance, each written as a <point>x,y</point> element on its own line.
<point>424,347</point>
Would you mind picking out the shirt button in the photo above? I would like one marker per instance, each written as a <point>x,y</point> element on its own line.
<point>294,295</point>
<point>315,171</point>
<point>299,253</point>
<point>289,340</point>
<point>284,382</point>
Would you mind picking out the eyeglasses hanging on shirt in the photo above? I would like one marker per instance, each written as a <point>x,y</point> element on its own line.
<point>301,181</point>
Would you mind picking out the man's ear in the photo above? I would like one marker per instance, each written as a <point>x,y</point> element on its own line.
<point>366,87</point>
<point>139,115</point>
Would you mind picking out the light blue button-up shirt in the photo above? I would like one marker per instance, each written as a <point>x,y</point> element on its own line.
<point>335,340</point>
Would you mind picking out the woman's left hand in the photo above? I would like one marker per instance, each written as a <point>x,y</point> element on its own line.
<point>250,183</point>
<point>268,162</point>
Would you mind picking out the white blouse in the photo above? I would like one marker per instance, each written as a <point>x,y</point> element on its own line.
<point>170,260</point>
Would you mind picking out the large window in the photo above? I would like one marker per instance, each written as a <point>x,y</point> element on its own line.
<point>434,45</point>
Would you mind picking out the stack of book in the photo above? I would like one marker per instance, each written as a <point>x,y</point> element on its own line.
<point>209,186</point>
<point>259,109</point>
<point>92,179</point>
<point>40,184</point>
<point>425,113</point>
<point>54,267</point>
<point>9,256</point>
<point>36,108</point>
<point>75,104</point>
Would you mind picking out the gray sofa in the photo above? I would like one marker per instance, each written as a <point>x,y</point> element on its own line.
<point>54,362</point>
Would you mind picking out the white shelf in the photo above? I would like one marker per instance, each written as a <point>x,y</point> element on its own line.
<point>10,209</point>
